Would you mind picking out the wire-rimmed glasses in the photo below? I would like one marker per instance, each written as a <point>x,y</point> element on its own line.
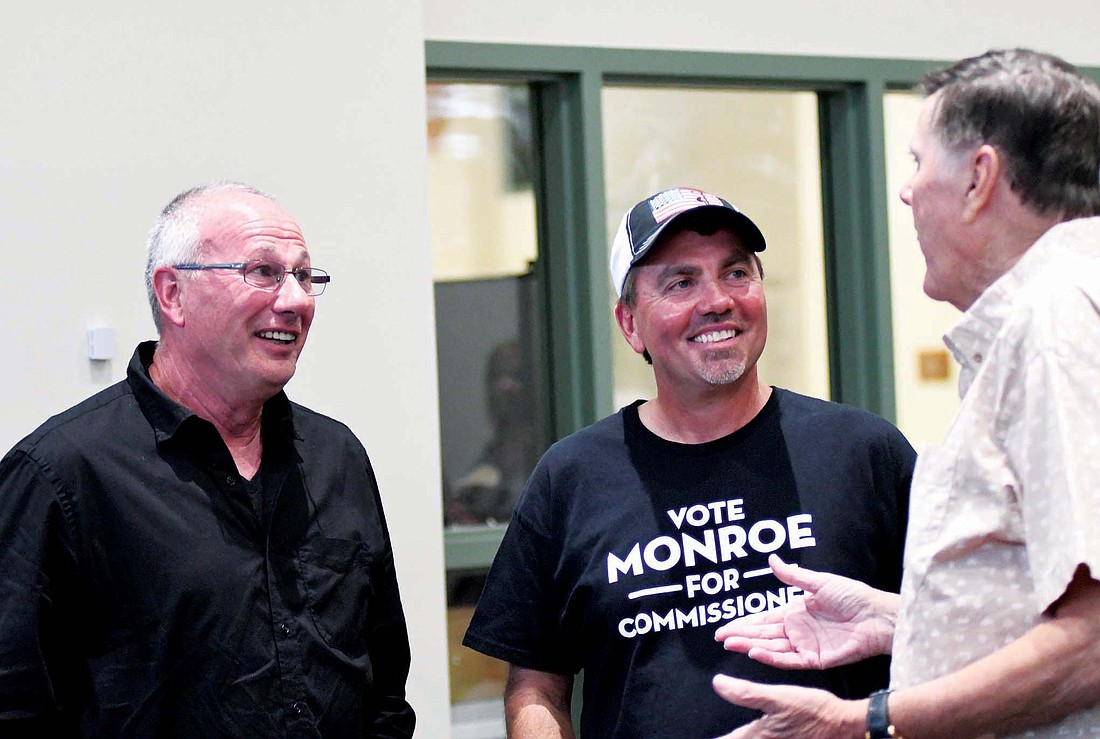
<point>270,275</point>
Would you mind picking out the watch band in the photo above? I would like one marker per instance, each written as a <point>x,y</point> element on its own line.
<point>878,717</point>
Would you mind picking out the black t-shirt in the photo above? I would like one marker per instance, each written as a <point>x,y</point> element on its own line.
<point>626,551</point>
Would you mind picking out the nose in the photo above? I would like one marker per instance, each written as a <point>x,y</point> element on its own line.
<point>291,296</point>
<point>906,193</point>
<point>715,298</point>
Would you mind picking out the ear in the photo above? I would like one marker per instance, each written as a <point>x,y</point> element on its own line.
<point>169,292</point>
<point>624,316</point>
<point>985,171</point>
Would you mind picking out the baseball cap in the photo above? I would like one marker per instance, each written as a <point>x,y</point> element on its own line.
<point>647,220</point>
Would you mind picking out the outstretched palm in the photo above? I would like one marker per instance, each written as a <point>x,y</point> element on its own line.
<point>837,622</point>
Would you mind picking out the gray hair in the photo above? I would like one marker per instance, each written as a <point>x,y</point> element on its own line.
<point>1038,111</point>
<point>175,239</point>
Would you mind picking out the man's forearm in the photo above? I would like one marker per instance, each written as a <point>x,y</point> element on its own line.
<point>1045,675</point>
<point>537,705</point>
<point>538,721</point>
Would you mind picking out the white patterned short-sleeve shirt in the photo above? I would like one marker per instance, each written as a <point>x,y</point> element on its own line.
<point>1004,511</point>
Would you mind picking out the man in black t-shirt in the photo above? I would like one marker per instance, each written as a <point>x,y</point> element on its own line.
<point>636,537</point>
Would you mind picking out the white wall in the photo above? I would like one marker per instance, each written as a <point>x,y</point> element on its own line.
<point>935,29</point>
<point>110,108</point>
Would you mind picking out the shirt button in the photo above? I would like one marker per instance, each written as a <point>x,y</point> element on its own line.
<point>230,480</point>
<point>284,629</point>
<point>298,708</point>
<point>978,358</point>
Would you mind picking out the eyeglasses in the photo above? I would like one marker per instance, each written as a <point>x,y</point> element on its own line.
<point>269,275</point>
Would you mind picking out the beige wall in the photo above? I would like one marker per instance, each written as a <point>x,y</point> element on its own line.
<point>110,108</point>
<point>937,29</point>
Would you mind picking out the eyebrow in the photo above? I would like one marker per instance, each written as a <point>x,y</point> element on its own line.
<point>677,270</point>
<point>687,270</point>
<point>267,253</point>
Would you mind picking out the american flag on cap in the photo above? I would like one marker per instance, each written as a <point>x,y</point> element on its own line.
<point>675,201</point>
<point>644,223</point>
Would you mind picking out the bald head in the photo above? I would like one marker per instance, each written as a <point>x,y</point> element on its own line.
<point>176,237</point>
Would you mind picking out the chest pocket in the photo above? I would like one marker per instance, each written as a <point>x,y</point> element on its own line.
<point>336,574</point>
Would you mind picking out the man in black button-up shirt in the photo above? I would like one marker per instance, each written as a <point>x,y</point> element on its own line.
<point>188,553</point>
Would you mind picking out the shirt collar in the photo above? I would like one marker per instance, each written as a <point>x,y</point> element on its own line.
<point>168,417</point>
<point>970,338</point>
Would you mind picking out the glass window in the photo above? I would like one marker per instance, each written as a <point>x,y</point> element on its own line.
<point>758,149</point>
<point>484,246</point>
<point>925,375</point>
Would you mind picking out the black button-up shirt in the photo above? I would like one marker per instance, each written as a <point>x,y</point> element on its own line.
<point>146,589</point>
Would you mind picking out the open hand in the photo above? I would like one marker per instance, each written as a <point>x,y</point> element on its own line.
<point>838,621</point>
<point>789,711</point>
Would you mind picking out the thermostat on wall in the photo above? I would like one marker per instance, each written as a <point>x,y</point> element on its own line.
<point>101,343</point>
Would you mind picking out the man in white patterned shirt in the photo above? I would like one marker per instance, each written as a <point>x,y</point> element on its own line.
<point>996,628</point>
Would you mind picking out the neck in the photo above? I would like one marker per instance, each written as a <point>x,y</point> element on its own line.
<point>708,416</point>
<point>1003,237</point>
<point>238,424</point>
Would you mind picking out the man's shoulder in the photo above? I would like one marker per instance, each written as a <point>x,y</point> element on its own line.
<point>1064,261</point>
<point>305,414</point>
<point>793,403</point>
<point>316,427</point>
<point>797,409</point>
<point>97,416</point>
<point>308,419</point>
<point>607,430</point>
<point>1069,282</point>
<point>1056,303</point>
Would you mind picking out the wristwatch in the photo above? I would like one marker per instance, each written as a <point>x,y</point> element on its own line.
<point>878,717</point>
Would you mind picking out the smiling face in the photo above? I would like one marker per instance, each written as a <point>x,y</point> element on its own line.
<point>699,309</point>
<point>240,340</point>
